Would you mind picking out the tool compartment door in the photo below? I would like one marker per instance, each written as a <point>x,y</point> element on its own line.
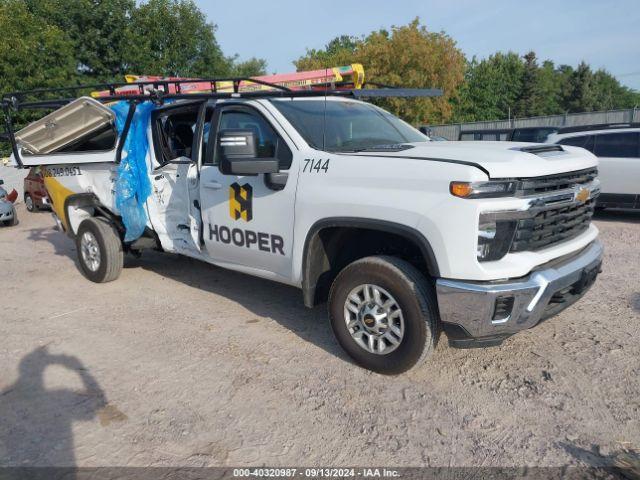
<point>82,126</point>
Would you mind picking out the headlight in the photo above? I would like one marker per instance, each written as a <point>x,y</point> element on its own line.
<point>483,189</point>
<point>494,238</point>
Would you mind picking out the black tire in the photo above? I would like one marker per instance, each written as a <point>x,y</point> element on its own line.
<point>109,246</point>
<point>414,295</point>
<point>30,203</point>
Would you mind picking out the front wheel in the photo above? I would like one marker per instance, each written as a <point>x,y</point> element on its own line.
<point>383,313</point>
<point>30,204</point>
<point>99,250</point>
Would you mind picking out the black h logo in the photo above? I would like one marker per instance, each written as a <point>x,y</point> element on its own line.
<point>240,201</point>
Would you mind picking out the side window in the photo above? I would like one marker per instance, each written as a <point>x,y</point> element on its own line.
<point>175,132</point>
<point>269,143</point>
<point>584,141</point>
<point>206,129</point>
<point>620,145</point>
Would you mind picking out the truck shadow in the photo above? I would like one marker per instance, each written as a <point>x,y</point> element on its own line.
<point>36,422</point>
<point>264,298</point>
<point>623,463</point>
<point>62,245</point>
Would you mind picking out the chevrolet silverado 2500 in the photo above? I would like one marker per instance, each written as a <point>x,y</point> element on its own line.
<point>401,236</point>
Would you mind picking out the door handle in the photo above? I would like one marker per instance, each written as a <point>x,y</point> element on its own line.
<point>213,185</point>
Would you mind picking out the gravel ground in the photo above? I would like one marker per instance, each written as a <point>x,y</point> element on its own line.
<point>182,364</point>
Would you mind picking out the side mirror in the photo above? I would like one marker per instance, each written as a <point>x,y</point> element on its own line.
<point>1,182</point>
<point>239,154</point>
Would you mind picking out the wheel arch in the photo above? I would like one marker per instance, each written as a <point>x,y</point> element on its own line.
<point>79,206</point>
<point>323,255</point>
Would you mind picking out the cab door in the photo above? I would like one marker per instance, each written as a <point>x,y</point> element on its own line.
<point>248,219</point>
<point>174,178</point>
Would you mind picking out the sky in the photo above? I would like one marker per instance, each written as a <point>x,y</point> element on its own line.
<point>604,33</point>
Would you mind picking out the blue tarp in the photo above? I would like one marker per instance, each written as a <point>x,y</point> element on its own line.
<point>132,186</point>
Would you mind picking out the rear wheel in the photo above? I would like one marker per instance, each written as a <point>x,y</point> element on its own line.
<point>99,250</point>
<point>30,204</point>
<point>383,313</point>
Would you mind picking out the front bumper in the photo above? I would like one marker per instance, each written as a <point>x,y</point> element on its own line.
<point>485,313</point>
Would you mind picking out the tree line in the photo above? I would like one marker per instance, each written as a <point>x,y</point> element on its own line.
<point>500,86</point>
<point>49,43</point>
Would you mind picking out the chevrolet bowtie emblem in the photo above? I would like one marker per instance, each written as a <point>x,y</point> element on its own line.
<point>583,195</point>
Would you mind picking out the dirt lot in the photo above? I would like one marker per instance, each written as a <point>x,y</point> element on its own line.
<point>181,363</point>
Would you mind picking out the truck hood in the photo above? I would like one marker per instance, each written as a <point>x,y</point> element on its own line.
<point>502,159</point>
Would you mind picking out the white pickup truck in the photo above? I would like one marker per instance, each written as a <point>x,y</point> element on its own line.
<point>401,236</point>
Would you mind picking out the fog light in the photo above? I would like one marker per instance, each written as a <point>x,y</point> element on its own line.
<point>502,309</point>
<point>494,238</point>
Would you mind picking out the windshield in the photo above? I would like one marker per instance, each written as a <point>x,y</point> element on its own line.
<point>350,126</point>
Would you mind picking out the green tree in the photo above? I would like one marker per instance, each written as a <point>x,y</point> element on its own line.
<point>610,94</point>
<point>174,38</point>
<point>581,96</point>
<point>253,67</point>
<point>549,88</point>
<point>528,103</point>
<point>97,28</point>
<point>408,55</point>
<point>339,51</point>
<point>33,54</point>
<point>491,89</point>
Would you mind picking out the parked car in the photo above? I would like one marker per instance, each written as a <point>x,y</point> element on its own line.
<point>35,193</point>
<point>531,134</point>
<point>618,148</point>
<point>523,134</point>
<point>434,138</point>
<point>8,215</point>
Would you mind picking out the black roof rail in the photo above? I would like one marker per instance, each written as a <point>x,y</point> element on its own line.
<point>599,126</point>
<point>160,90</point>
